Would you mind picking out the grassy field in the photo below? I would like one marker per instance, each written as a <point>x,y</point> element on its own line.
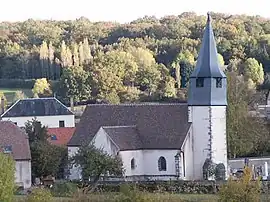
<point>151,197</point>
<point>10,93</point>
<point>154,197</point>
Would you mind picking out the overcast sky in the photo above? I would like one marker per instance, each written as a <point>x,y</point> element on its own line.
<point>123,10</point>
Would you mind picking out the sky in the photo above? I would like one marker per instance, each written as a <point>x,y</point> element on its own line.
<point>123,10</point>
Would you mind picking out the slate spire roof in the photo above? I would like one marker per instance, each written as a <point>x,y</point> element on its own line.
<point>207,64</point>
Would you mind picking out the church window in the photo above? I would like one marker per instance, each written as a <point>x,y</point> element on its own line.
<point>162,166</point>
<point>219,82</point>
<point>132,164</point>
<point>199,82</point>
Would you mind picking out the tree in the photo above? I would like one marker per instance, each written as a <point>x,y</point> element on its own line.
<point>44,57</point>
<point>74,83</point>
<point>42,87</point>
<point>95,162</point>
<point>246,134</point>
<point>46,158</point>
<point>19,95</point>
<point>244,189</point>
<point>2,96</point>
<point>253,70</point>
<point>7,177</point>
<point>51,61</point>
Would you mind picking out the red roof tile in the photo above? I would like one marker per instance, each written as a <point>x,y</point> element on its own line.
<point>62,135</point>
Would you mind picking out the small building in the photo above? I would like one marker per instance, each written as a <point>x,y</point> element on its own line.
<point>49,111</point>
<point>60,136</point>
<point>14,141</point>
<point>165,141</point>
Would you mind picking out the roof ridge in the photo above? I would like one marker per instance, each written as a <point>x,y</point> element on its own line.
<point>138,104</point>
<point>124,126</point>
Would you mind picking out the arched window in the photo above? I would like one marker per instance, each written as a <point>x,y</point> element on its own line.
<point>162,164</point>
<point>132,164</point>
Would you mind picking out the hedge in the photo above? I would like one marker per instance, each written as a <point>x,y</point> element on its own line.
<point>177,187</point>
<point>187,187</point>
<point>22,83</point>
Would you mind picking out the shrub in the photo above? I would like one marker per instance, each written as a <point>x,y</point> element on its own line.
<point>64,189</point>
<point>132,194</point>
<point>40,195</point>
<point>7,178</point>
<point>243,190</point>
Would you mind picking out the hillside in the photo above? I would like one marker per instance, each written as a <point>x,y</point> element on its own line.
<point>145,59</point>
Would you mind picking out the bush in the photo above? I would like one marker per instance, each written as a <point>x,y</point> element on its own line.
<point>243,190</point>
<point>64,189</point>
<point>7,178</point>
<point>40,195</point>
<point>132,194</point>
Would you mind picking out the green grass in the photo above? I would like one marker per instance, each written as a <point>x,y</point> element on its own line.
<point>156,197</point>
<point>10,93</point>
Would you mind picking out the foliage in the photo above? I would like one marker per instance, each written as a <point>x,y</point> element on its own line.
<point>40,195</point>
<point>131,194</point>
<point>74,83</point>
<point>246,134</point>
<point>254,71</point>
<point>46,158</point>
<point>7,177</point>
<point>243,190</point>
<point>64,189</point>
<point>95,162</point>
<point>42,87</point>
<point>2,96</point>
<point>19,95</point>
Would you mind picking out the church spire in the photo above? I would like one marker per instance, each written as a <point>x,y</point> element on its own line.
<point>207,84</point>
<point>207,64</point>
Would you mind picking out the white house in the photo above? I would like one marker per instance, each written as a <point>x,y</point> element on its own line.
<point>14,141</point>
<point>164,141</point>
<point>49,111</point>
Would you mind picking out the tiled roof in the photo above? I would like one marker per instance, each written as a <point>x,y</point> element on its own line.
<point>160,126</point>
<point>37,107</point>
<point>60,136</point>
<point>126,137</point>
<point>14,137</point>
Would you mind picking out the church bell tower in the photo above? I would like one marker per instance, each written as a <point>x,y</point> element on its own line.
<point>207,102</point>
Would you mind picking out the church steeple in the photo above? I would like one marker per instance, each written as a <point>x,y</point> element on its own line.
<point>208,82</point>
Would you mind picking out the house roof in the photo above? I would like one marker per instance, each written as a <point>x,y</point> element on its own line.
<point>12,135</point>
<point>207,65</point>
<point>125,137</point>
<point>37,107</point>
<point>62,135</point>
<point>158,126</point>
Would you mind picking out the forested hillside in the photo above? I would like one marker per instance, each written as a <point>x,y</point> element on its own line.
<point>147,58</point>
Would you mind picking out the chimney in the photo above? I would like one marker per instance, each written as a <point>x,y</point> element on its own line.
<point>2,105</point>
<point>72,104</point>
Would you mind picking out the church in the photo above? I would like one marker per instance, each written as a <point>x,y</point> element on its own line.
<point>163,141</point>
